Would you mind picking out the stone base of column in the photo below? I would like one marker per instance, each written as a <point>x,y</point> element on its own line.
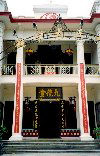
<point>30,138</point>
<point>16,137</point>
<point>86,137</point>
<point>70,138</point>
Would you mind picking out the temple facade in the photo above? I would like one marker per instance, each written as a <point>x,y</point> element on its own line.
<point>49,74</point>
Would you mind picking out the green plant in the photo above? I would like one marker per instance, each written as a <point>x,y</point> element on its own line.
<point>3,130</point>
<point>97,132</point>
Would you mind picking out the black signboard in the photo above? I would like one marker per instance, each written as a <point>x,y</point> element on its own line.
<point>49,93</point>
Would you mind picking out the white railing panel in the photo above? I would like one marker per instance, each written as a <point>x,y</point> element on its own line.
<point>8,69</point>
<point>92,70</point>
<point>49,70</point>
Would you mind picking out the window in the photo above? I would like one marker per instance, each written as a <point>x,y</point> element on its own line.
<point>87,57</point>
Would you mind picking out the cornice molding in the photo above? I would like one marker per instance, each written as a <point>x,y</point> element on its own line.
<point>31,20</point>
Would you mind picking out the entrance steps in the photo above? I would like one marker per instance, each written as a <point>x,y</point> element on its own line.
<point>49,146</point>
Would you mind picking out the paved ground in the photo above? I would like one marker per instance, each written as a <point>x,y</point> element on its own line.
<point>54,154</point>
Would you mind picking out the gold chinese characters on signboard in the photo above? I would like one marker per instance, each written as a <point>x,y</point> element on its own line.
<point>49,93</point>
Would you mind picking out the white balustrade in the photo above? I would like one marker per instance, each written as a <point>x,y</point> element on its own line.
<point>50,69</point>
<point>8,69</point>
<point>92,70</point>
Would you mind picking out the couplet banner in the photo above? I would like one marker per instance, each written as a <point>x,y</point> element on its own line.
<point>17,110</point>
<point>83,96</point>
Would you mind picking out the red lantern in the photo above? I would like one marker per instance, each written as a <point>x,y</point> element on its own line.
<point>69,51</point>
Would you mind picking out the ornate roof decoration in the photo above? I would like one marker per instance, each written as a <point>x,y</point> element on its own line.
<point>3,6</point>
<point>96,7</point>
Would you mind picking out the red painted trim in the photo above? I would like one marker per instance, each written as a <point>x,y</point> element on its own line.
<point>83,96</point>
<point>17,110</point>
<point>31,20</point>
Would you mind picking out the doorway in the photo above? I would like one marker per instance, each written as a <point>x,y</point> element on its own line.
<point>8,118</point>
<point>91,113</point>
<point>49,54</point>
<point>49,119</point>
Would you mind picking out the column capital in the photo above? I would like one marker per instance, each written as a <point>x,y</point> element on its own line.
<point>80,41</point>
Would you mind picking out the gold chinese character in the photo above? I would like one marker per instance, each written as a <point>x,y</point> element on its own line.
<point>42,93</point>
<point>56,93</point>
<point>49,92</point>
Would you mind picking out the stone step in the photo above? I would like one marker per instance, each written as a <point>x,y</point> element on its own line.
<point>49,151</point>
<point>9,147</point>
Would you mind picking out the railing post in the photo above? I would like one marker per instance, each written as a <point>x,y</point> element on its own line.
<point>40,70</point>
<point>25,67</point>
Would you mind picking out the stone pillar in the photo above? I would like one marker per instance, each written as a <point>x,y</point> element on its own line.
<point>2,27</point>
<point>80,51</point>
<point>83,107</point>
<point>97,29</point>
<point>18,99</point>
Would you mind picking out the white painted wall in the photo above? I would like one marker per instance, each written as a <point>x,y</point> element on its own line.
<point>93,93</point>
<point>8,92</point>
<point>95,57</point>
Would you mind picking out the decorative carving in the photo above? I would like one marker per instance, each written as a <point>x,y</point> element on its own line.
<point>49,16</point>
<point>8,70</point>
<point>3,6</point>
<point>50,70</point>
<point>92,70</point>
<point>97,38</point>
<point>20,43</point>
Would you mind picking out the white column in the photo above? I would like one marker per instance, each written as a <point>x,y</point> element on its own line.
<point>2,27</point>
<point>97,29</point>
<point>83,107</point>
<point>18,99</point>
<point>80,51</point>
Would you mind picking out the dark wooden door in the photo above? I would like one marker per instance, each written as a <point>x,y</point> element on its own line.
<point>91,110</point>
<point>49,120</point>
<point>8,118</point>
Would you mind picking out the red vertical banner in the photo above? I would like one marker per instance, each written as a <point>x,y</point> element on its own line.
<point>17,109</point>
<point>83,96</point>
